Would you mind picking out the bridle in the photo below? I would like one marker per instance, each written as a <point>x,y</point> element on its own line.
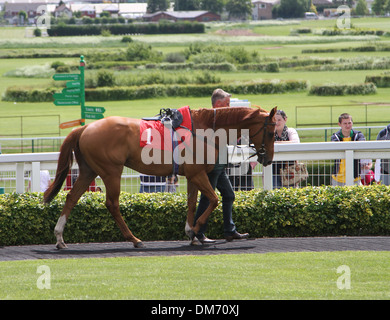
<point>261,152</point>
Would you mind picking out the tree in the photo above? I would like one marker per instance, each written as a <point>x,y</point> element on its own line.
<point>378,6</point>
<point>291,9</point>
<point>361,8</point>
<point>215,6</point>
<point>22,15</point>
<point>239,9</point>
<point>187,5</point>
<point>157,5</point>
<point>387,7</point>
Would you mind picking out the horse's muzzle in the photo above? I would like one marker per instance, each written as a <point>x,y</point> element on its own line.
<point>264,159</point>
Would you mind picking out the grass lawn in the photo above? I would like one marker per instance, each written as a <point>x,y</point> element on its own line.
<point>150,107</point>
<point>274,43</point>
<point>305,275</point>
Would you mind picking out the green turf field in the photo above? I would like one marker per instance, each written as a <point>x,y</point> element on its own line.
<point>305,275</point>
<point>275,42</point>
<point>256,276</point>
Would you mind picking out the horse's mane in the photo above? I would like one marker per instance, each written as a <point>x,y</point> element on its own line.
<point>226,116</point>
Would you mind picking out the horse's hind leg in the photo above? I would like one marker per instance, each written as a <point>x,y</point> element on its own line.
<point>80,186</point>
<point>112,183</point>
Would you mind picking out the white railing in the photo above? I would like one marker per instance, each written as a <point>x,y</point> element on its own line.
<point>309,152</point>
<point>329,151</point>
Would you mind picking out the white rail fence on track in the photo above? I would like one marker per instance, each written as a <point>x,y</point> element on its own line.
<point>21,172</point>
<point>52,144</point>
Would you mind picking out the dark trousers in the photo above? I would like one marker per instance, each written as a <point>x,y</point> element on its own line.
<point>219,179</point>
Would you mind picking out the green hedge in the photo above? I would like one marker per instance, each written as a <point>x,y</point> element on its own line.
<point>379,81</point>
<point>342,90</point>
<point>23,94</point>
<point>120,29</point>
<point>26,94</point>
<point>311,211</point>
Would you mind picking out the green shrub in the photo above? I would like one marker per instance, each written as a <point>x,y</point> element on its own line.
<point>341,90</point>
<point>310,211</point>
<point>105,79</point>
<point>106,33</point>
<point>379,81</point>
<point>23,94</point>
<point>262,67</point>
<point>137,51</point>
<point>57,64</point>
<point>122,29</point>
<point>37,32</point>
<point>127,39</point>
<point>175,57</point>
<point>63,69</point>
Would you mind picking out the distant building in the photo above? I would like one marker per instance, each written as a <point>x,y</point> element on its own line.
<point>200,16</point>
<point>88,10</point>
<point>33,9</point>
<point>262,9</point>
<point>63,11</point>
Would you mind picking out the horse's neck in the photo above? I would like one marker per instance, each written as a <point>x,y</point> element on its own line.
<point>224,118</point>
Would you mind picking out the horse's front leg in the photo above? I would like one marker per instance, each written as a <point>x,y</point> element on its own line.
<point>192,197</point>
<point>201,181</point>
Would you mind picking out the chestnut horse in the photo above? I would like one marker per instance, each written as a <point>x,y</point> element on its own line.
<point>105,146</point>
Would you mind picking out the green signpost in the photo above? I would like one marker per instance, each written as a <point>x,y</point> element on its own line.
<point>74,94</point>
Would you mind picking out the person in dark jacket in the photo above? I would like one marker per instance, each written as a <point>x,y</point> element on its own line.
<point>382,166</point>
<point>219,179</point>
<point>346,133</point>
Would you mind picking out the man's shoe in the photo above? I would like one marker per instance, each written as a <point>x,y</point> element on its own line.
<point>238,236</point>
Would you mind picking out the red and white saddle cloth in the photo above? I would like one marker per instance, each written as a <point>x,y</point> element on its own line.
<point>154,134</point>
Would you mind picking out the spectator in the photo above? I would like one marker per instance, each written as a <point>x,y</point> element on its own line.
<point>240,175</point>
<point>71,179</point>
<point>382,166</point>
<point>150,184</point>
<point>366,173</point>
<point>283,134</point>
<point>219,179</point>
<point>45,181</point>
<point>346,133</point>
<point>171,184</point>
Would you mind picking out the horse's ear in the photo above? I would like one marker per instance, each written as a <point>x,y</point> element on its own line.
<point>273,112</point>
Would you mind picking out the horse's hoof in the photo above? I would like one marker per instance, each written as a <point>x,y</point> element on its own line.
<point>139,244</point>
<point>61,245</point>
<point>191,234</point>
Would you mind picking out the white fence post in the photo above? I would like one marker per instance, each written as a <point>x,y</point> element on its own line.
<point>267,180</point>
<point>19,177</point>
<point>35,176</point>
<point>349,169</point>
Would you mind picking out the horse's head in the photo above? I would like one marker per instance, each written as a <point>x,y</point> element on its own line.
<point>262,136</point>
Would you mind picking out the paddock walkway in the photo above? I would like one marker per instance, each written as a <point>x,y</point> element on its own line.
<point>175,248</point>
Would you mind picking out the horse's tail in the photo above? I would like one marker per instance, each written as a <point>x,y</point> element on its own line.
<point>65,162</point>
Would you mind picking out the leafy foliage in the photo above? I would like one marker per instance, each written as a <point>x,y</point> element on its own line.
<point>310,211</point>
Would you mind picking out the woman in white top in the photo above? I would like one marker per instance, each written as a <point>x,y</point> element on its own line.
<point>283,134</point>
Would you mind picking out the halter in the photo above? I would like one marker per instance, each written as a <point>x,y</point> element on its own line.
<point>261,152</point>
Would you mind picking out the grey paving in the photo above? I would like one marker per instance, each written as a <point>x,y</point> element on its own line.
<point>174,248</point>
